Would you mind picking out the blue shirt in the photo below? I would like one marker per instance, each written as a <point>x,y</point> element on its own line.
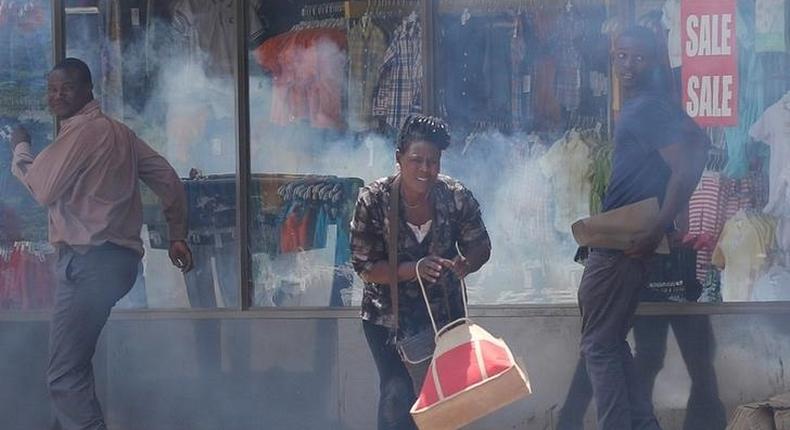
<point>647,123</point>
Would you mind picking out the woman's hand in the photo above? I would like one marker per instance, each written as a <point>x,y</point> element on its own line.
<point>430,268</point>
<point>460,266</point>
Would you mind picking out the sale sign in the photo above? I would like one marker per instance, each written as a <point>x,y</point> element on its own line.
<point>710,61</point>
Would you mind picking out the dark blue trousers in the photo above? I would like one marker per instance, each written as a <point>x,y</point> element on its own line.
<point>608,298</point>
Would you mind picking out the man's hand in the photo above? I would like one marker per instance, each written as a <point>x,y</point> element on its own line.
<point>646,245</point>
<point>180,255</point>
<point>19,135</point>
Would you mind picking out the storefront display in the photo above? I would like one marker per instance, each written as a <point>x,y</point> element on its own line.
<point>26,259</point>
<point>526,87</point>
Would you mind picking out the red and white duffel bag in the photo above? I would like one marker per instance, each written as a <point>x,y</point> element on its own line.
<point>472,374</point>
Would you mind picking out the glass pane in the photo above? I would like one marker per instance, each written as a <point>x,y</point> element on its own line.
<point>165,69</point>
<point>26,258</point>
<point>526,92</point>
<point>320,130</point>
<point>536,112</point>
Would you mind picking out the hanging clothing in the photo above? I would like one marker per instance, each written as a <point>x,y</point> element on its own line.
<point>750,94</point>
<point>601,172</point>
<point>297,230</point>
<point>367,45</point>
<point>462,51</point>
<point>399,88</point>
<point>706,219</point>
<point>546,107</point>
<point>206,32</point>
<point>476,68</point>
<point>739,196</point>
<point>741,252</point>
<point>497,71</point>
<point>521,79</point>
<point>706,214</point>
<point>773,128</point>
<point>111,76</point>
<point>770,26</point>
<point>569,166</point>
<point>772,285</point>
<point>568,79</point>
<point>535,203</point>
<point>308,68</point>
<point>671,20</point>
<point>783,239</point>
<point>27,276</point>
<point>11,295</point>
<point>711,286</point>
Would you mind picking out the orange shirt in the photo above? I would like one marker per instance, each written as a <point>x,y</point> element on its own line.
<point>309,77</point>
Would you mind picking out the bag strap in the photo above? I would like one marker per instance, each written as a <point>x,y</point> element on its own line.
<point>392,239</point>
<point>425,294</point>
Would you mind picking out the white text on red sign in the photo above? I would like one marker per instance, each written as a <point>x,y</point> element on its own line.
<point>709,35</point>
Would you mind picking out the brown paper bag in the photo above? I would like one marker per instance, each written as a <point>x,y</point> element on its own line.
<point>618,228</point>
<point>781,405</point>
<point>773,414</point>
<point>755,416</point>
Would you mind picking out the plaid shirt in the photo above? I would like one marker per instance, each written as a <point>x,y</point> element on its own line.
<point>400,76</point>
<point>457,218</point>
<point>366,49</point>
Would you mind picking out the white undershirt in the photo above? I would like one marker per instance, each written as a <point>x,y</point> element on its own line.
<point>420,231</point>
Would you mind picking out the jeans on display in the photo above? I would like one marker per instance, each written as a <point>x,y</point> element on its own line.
<point>200,280</point>
<point>216,260</point>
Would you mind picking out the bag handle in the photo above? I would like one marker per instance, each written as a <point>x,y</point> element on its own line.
<point>392,239</point>
<point>428,304</point>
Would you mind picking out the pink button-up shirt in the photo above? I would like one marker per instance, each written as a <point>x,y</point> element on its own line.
<point>89,179</point>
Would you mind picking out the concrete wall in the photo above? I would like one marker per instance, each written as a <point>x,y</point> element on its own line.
<point>300,372</point>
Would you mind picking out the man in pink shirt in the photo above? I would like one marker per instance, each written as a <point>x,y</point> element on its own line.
<point>89,180</point>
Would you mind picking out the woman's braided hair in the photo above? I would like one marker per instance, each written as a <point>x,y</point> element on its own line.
<point>424,127</point>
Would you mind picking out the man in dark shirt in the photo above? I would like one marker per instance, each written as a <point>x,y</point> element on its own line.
<point>659,152</point>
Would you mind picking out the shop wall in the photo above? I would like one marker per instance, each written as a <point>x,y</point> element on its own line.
<point>316,373</point>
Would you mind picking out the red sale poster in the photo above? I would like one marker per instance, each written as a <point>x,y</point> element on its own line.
<point>710,61</point>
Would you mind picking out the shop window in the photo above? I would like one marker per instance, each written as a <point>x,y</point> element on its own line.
<point>26,259</point>
<point>166,70</point>
<point>323,110</point>
<point>528,89</point>
<point>525,88</point>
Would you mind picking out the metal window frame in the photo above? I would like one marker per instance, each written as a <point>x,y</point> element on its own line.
<point>429,12</point>
<point>243,167</point>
